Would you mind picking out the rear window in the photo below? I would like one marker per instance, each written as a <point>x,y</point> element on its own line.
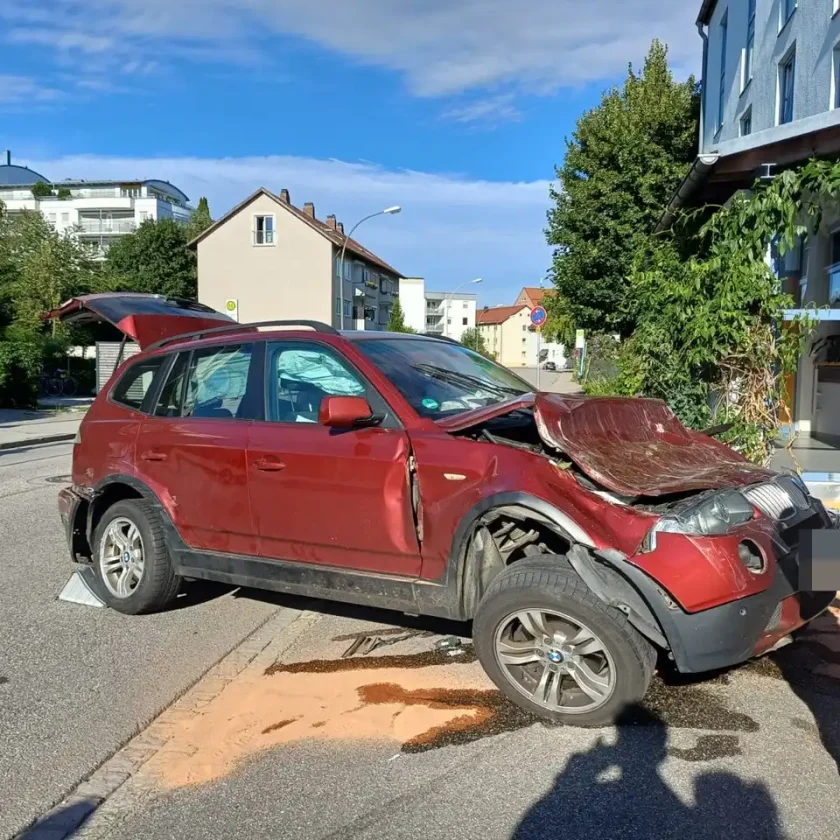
<point>136,382</point>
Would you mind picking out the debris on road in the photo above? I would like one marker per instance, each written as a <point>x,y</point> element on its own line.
<point>368,642</point>
<point>450,645</point>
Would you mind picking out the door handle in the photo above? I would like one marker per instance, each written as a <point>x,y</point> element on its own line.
<point>151,455</point>
<point>269,465</point>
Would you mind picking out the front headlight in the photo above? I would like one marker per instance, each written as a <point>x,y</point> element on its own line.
<point>710,517</point>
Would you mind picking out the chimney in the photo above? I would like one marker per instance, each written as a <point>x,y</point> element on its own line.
<point>331,222</point>
<point>309,209</point>
<point>7,157</point>
<point>339,226</point>
<point>284,196</point>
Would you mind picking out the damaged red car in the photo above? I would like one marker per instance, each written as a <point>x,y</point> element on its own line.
<point>585,538</point>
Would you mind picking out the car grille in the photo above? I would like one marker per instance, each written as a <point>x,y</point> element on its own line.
<point>778,500</point>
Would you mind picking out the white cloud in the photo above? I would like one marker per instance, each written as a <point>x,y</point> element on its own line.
<point>451,228</point>
<point>25,89</point>
<point>440,47</point>
<point>493,109</point>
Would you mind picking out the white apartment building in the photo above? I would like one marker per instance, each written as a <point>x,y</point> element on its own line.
<point>448,314</point>
<point>97,211</point>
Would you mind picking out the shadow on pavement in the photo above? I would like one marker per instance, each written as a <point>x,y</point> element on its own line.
<point>617,791</point>
<point>373,615</point>
<point>811,667</point>
<point>61,822</point>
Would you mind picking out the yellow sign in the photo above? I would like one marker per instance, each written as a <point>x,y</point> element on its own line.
<point>232,308</point>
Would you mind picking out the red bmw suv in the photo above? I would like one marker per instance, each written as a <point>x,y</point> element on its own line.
<point>584,537</point>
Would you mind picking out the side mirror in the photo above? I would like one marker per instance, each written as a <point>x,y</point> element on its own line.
<point>346,413</point>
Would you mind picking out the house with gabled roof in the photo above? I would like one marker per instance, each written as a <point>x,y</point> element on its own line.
<point>278,261</point>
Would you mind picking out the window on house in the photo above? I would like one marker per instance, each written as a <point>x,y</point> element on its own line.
<point>338,306</point>
<point>787,8</point>
<point>724,29</point>
<point>749,49</point>
<point>466,304</point>
<point>746,123</point>
<point>448,320</point>
<point>348,309</point>
<point>787,78</point>
<point>263,230</point>
<point>465,321</point>
<point>65,218</point>
<point>51,218</point>
<point>835,77</point>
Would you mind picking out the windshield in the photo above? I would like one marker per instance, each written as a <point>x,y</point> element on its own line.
<point>440,378</point>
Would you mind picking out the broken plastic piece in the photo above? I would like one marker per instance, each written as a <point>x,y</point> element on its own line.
<point>448,643</point>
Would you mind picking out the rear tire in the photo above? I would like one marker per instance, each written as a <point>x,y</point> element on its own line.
<point>556,650</point>
<point>132,567</point>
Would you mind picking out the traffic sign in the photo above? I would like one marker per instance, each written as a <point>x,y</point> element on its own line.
<point>538,316</point>
<point>580,340</point>
<point>232,308</point>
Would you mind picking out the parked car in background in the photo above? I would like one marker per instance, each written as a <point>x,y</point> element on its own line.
<point>550,366</point>
<point>583,537</point>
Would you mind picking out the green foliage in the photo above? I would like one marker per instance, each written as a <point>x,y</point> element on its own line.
<point>622,165</point>
<point>20,370</point>
<point>710,336</point>
<point>41,189</point>
<point>200,219</point>
<point>473,339</point>
<point>38,270</point>
<point>64,193</point>
<point>155,259</point>
<point>396,321</point>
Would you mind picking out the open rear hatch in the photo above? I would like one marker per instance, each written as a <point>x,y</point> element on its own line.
<point>631,446</point>
<point>144,319</point>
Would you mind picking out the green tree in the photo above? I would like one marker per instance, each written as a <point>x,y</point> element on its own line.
<point>41,189</point>
<point>200,219</point>
<point>154,259</point>
<point>39,268</point>
<point>622,165</point>
<point>474,340</point>
<point>396,323</point>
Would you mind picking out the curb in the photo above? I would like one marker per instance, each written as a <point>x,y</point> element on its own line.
<point>36,441</point>
<point>88,811</point>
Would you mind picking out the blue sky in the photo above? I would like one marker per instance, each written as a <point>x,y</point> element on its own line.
<point>455,109</point>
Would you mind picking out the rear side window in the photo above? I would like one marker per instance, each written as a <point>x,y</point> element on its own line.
<point>217,381</point>
<point>172,393</point>
<point>136,382</point>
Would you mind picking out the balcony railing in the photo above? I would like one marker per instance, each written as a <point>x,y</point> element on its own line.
<point>107,226</point>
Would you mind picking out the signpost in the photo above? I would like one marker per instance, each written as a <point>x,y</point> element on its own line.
<point>232,308</point>
<point>538,319</point>
<point>580,345</point>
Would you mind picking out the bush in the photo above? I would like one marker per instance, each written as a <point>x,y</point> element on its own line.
<point>21,363</point>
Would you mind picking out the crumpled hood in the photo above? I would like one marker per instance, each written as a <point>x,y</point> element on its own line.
<point>637,447</point>
<point>632,446</point>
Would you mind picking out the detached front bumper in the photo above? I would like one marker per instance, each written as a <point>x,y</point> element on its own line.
<point>735,631</point>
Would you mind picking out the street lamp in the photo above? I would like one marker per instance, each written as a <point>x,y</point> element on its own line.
<point>448,299</point>
<point>388,211</point>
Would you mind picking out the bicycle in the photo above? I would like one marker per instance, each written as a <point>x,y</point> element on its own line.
<point>58,384</point>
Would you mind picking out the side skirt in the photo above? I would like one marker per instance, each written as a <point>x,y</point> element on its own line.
<point>326,582</point>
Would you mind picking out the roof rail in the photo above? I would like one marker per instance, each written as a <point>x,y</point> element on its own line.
<point>317,326</point>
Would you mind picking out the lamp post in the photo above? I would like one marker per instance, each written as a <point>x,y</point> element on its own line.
<point>388,211</point>
<point>448,299</point>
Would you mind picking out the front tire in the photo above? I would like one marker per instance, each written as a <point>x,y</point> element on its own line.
<point>556,650</point>
<point>132,567</point>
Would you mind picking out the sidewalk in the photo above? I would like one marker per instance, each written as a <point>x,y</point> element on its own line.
<point>20,428</point>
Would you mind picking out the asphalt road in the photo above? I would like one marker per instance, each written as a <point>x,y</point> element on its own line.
<point>407,743</point>
<point>558,382</point>
<point>77,682</point>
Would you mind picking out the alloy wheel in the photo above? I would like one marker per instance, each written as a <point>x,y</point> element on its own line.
<point>121,558</point>
<point>554,660</point>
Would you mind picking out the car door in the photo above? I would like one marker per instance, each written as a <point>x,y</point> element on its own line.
<point>327,496</point>
<point>192,451</point>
